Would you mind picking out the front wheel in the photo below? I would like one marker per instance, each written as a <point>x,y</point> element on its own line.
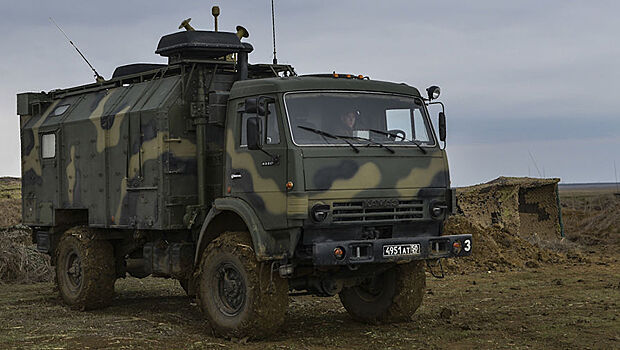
<point>240,296</point>
<point>392,296</point>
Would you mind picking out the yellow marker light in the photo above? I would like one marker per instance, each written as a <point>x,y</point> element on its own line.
<point>289,185</point>
<point>335,75</point>
<point>360,77</point>
<point>349,76</point>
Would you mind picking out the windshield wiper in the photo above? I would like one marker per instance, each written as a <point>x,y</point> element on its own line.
<point>324,133</point>
<point>396,135</point>
<point>369,142</point>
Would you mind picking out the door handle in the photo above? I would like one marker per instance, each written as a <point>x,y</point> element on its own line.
<point>235,176</point>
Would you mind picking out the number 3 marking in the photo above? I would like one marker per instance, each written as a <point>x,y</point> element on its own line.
<point>467,246</point>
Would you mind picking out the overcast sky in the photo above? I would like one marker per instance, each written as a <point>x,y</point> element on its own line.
<point>530,87</point>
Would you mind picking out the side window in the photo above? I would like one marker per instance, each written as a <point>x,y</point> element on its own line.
<point>399,119</point>
<point>419,127</point>
<point>48,145</point>
<point>269,126</point>
<point>273,132</point>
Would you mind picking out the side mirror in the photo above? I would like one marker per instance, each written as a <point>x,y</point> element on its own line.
<point>252,127</point>
<point>254,106</point>
<point>442,126</point>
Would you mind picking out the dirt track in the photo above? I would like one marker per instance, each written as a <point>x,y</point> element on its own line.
<point>555,307</point>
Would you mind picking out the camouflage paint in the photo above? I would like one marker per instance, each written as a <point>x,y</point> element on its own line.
<point>100,158</point>
<point>31,159</point>
<point>127,154</point>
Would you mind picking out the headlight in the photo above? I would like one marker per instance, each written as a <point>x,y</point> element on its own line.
<point>437,209</point>
<point>433,92</point>
<point>319,212</point>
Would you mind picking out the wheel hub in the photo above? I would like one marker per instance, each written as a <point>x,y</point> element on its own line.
<point>230,294</point>
<point>74,270</point>
<point>371,289</point>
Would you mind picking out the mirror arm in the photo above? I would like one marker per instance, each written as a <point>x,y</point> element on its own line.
<point>443,108</point>
<point>264,100</point>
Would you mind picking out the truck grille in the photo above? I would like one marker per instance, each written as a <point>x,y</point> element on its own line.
<point>359,211</point>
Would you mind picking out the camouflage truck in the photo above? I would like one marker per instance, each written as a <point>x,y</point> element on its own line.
<point>246,182</point>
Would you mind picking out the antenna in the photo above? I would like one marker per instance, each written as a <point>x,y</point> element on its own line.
<point>534,160</point>
<point>98,78</point>
<point>273,32</point>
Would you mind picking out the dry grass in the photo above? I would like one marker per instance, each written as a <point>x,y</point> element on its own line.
<point>20,262</point>
<point>562,246</point>
<point>592,220</point>
<point>10,201</point>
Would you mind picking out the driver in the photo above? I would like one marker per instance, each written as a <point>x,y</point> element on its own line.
<point>347,123</point>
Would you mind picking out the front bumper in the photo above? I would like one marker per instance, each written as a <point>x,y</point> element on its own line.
<point>371,251</point>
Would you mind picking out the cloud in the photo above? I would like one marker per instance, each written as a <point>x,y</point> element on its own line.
<point>509,71</point>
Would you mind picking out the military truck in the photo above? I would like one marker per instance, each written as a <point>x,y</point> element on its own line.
<point>246,182</point>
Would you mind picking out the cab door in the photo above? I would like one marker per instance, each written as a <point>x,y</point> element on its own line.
<point>258,176</point>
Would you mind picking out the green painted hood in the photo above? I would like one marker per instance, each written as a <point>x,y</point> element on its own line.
<point>323,171</point>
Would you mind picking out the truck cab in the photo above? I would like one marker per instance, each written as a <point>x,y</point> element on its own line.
<point>384,178</point>
<point>342,171</point>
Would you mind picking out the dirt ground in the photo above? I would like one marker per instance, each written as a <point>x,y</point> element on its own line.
<point>555,307</point>
<point>569,298</point>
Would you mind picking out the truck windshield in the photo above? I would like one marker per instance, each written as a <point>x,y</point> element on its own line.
<point>388,119</point>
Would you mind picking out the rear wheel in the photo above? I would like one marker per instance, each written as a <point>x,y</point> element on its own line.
<point>392,296</point>
<point>85,269</point>
<point>240,296</point>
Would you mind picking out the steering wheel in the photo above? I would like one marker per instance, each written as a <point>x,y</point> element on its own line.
<point>398,134</point>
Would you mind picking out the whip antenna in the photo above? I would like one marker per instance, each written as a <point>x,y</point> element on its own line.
<point>98,77</point>
<point>273,31</point>
<point>534,160</point>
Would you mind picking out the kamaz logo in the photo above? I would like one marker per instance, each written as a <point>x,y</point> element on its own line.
<point>381,203</point>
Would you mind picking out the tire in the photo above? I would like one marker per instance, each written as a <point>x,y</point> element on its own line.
<point>393,296</point>
<point>85,270</point>
<point>237,294</point>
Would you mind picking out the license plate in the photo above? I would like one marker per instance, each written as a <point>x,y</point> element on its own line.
<point>401,249</point>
